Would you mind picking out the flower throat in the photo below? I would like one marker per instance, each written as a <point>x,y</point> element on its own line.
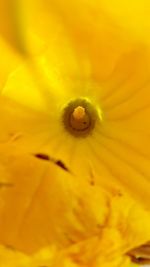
<point>80,117</point>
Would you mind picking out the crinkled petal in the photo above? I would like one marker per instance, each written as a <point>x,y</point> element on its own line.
<point>42,206</point>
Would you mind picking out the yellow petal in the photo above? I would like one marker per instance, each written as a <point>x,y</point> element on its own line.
<point>115,78</point>
<point>10,24</point>
<point>9,61</point>
<point>44,206</point>
<point>133,15</point>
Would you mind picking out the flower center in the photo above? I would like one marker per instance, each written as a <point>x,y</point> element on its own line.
<point>79,117</point>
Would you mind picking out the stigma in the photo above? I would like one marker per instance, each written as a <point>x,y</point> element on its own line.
<point>79,113</point>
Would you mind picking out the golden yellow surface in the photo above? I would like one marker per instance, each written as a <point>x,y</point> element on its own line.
<point>54,52</point>
<point>49,216</point>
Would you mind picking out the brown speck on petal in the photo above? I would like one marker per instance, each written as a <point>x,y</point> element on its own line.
<point>42,156</point>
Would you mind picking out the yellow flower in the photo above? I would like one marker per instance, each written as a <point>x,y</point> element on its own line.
<point>83,98</point>
<point>77,96</point>
<point>49,217</point>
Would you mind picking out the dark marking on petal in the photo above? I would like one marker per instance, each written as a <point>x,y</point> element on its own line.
<point>4,184</point>
<point>140,260</point>
<point>15,136</point>
<point>92,183</point>
<point>92,178</point>
<point>42,156</point>
<point>141,255</point>
<point>61,165</point>
<point>10,247</point>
